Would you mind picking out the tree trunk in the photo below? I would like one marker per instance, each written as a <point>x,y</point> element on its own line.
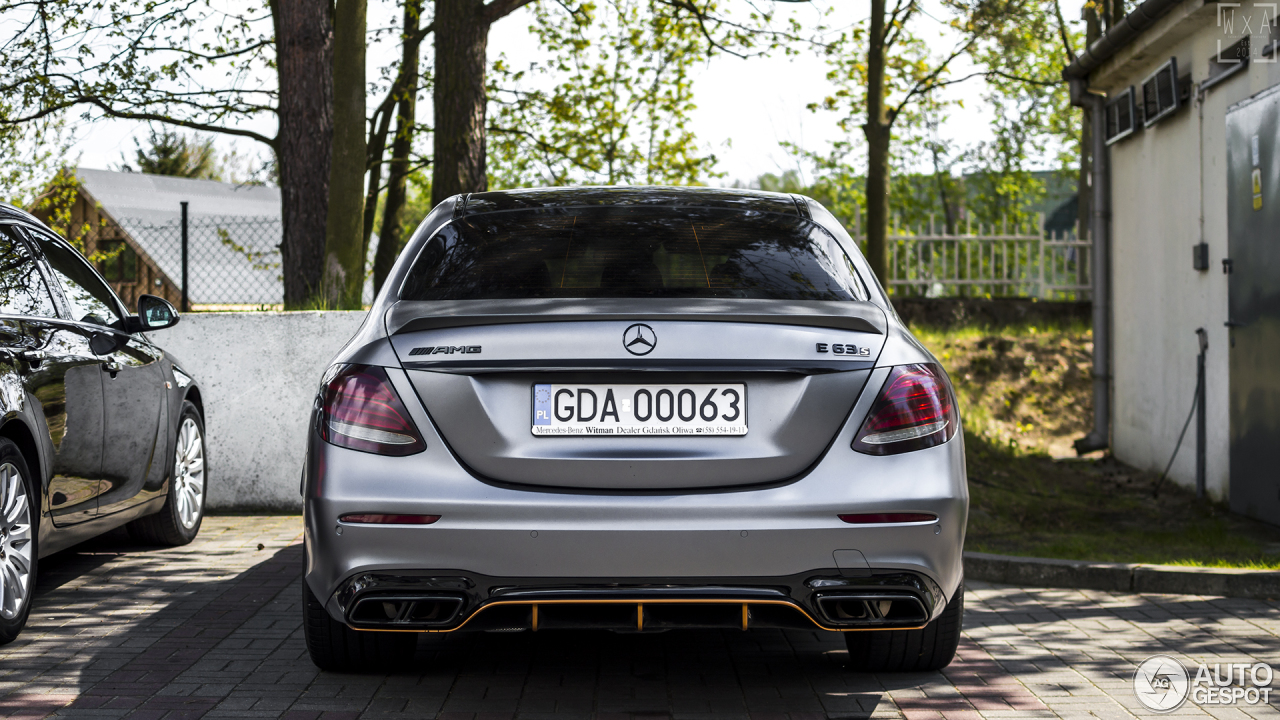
<point>1084,181</point>
<point>941,178</point>
<point>877,131</point>
<point>461,36</point>
<point>304,58</point>
<point>344,237</point>
<point>1116,16</point>
<point>391,239</point>
<point>377,144</point>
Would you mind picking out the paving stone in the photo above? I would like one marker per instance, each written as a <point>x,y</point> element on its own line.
<point>212,630</point>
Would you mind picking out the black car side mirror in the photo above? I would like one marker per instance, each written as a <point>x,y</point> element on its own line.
<point>155,313</point>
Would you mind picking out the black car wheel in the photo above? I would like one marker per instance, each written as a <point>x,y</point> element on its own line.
<point>932,647</point>
<point>18,537</point>
<point>178,521</point>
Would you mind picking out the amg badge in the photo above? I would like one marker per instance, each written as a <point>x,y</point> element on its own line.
<point>445,350</point>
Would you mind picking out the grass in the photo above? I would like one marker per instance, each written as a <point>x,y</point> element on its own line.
<point>1026,503</point>
<point>1025,394</point>
<point>1025,385</point>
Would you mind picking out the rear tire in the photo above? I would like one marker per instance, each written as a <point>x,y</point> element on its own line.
<point>178,521</point>
<point>334,646</point>
<point>19,535</point>
<point>932,647</point>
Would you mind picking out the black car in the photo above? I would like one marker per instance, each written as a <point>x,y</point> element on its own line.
<point>98,426</point>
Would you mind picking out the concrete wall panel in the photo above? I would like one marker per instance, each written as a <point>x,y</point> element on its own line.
<point>258,373</point>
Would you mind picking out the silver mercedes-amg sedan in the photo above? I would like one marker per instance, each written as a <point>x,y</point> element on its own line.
<point>636,409</point>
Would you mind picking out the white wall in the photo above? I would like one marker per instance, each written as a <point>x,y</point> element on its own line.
<point>258,374</point>
<point>1166,181</point>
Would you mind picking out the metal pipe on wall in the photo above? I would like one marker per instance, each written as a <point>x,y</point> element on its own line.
<point>1203,337</point>
<point>1099,437</point>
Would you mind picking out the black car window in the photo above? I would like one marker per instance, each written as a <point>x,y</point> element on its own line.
<point>22,289</point>
<point>90,299</point>
<point>625,252</point>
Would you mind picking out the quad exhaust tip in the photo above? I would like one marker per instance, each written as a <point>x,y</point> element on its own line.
<point>873,610</point>
<point>404,612</point>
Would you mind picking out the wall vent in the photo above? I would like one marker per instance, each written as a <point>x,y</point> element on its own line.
<point>1160,93</point>
<point>1121,116</point>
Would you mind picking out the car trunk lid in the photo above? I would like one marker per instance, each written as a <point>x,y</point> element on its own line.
<point>475,364</point>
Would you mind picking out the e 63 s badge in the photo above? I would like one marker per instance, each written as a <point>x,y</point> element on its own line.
<point>845,349</point>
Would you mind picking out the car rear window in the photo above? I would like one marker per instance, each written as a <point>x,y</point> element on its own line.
<point>631,253</point>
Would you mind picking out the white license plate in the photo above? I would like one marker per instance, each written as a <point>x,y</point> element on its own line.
<point>588,409</point>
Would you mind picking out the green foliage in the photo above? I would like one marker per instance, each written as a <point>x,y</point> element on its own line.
<point>417,201</point>
<point>1032,117</point>
<point>609,104</point>
<point>33,155</point>
<point>172,153</point>
<point>1016,48</point>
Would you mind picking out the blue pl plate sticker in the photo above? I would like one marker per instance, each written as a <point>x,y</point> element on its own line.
<point>541,404</point>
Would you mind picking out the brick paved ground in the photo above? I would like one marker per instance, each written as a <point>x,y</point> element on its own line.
<point>212,630</point>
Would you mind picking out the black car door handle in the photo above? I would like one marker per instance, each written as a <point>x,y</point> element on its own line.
<point>32,357</point>
<point>111,366</point>
<point>1233,324</point>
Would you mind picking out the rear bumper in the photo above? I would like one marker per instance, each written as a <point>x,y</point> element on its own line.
<point>493,543</point>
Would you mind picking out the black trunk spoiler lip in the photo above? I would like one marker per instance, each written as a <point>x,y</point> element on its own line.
<point>412,316</point>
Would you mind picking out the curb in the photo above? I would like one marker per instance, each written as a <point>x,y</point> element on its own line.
<point>1122,577</point>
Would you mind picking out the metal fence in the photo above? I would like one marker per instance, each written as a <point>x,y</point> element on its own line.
<point>988,261</point>
<point>221,263</point>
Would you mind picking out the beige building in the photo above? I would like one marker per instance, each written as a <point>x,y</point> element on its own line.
<point>1172,78</point>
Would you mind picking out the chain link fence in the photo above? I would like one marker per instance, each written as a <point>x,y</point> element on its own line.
<point>224,263</point>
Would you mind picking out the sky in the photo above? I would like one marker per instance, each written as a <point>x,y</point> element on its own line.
<point>746,107</point>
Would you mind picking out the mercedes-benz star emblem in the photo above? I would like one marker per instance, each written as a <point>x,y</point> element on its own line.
<point>639,339</point>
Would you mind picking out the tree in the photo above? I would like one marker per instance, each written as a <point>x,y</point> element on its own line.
<point>404,93</point>
<point>610,103</point>
<point>123,61</point>
<point>898,72</point>
<point>461,42</point>
<point>1093,31</point>
<point>169,152</point>
<point>344,226</point>
<point>462,29</point>
<point>1032,115</point>
<point>303,143</point>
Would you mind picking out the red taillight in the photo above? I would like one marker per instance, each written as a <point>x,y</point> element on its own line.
<point>381,519</point>
<point>362,412</point>
<point>874,518</point>
<point>915,410</point>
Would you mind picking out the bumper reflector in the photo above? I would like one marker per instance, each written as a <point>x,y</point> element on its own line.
<point>381,519</point>
<point>873,518</point>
